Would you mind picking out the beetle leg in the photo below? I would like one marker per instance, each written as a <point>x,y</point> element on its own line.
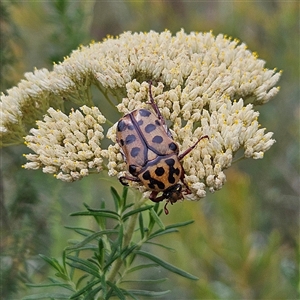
<point>154,105</point>
<point>126,178</point>
<point>153,197</point>
<point>159,199</point>
<point>187,151</point>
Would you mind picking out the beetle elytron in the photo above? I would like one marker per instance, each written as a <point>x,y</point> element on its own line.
<point>151,154</point>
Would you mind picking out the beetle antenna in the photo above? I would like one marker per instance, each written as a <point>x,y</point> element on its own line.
<point>187,151</point>
<point>165,208</point>
<point>154,105</point>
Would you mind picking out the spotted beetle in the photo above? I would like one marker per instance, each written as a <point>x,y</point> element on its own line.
<point>151,154</point>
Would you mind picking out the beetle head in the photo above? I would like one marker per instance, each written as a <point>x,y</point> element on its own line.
<point>173,193</point>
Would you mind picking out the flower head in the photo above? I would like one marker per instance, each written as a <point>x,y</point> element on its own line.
<point>230,126</point>
<point>67,146</point>
<point>203,85</point>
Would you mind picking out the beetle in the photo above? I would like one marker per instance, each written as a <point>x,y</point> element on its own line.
<point>151,154</point>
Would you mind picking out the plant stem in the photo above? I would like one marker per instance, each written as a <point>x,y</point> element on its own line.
<point>126,240</point>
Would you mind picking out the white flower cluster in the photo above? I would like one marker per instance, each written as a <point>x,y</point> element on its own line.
<point>67,146</point>
<point>203,85</point>
<point>230,126</point>
<point>207,66</point>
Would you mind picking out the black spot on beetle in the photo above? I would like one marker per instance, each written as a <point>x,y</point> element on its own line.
<point>160,184</point>
<point>135,151</point>
<point>130,139</point>
<point>159,171</point>
<point>122,142</point>
<point>170,162</point>
<point>157,139</point>
<point>132,169</point>
<point>121,126</point>
<point>173,146</point>
<point>150,127</point>
<point>147,175</point>
<point>157,123</point>
<point>130,127</point>
<point>153,182</point>
<point>172,171</point>
<point>144,112</point>
<point>140,122</point>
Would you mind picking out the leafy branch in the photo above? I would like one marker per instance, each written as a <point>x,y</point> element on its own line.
<point>97,266</point>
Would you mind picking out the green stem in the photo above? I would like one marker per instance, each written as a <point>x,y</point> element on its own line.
<point>126,241</point>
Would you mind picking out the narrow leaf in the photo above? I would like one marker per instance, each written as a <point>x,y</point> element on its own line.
<point>116,198</point>
<point>116,290</point>
<point>53,262</point>
<point>104,213</point>
<point>92,237</point>
<point>169,229</point>
<point>162,246</point>
<point>83,262</point>
<point>161,232</point>
<point>135,211</point>
<point>166,265</point>
<point>180,224</point>
<point>150,281</point>
<point>46,296</point>
<point>93,293</point>
<point>147,293</point>
<point>85,289</point>
<point>81,279</point>
<point>127,251</point>
<point>157,219</point>
<point>141,226</point>
<point>63,285</point>
<point>124,195</point>
<point>139,267</point>
<point>84,268</point>
<point>80,230</point>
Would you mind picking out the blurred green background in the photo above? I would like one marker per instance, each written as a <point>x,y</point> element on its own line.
<point>245,240</point>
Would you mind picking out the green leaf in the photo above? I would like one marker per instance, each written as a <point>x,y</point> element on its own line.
<point>111,258</point>
<point>93,293</point>
<point>85,289</point>
<point>86,206</point>
<point>143,266</point>
<point>147,293</point>
<point>91,247</point>
<point>150,281</point>
<point>101,253</point>
<point>161,245</point>
<point>81,279</point>
<point>141,226</point>
<point>128,206</point>
<point>166,265</point>
<point>83,265</point>
<point>129,251</point>
<point>157,219</point>
<point>161,232</point>
<point>124,195</point>
<point>116,290</point>
<point>104,213</point>
<point>135,211</point>
<point>80,230</point>
<point>119,242</point>
<point>116,198</point>
<point>83,262</point>
<point>181,224</point>
<point>104,285</point>
<point>53,262</point>
<point>169,229</point>
<point>47,296</point>
<point>92,237</point>
<point>63,285</point>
